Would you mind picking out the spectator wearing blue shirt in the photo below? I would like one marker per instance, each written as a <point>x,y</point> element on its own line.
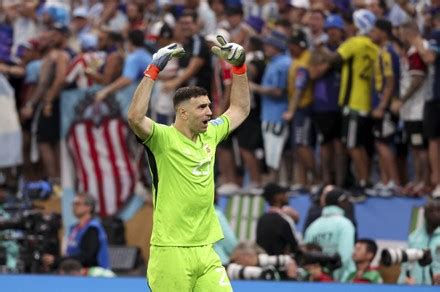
<point>274,102</point>
<point>135,63</point>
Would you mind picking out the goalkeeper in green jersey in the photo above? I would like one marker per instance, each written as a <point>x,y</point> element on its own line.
<point>181,157</point>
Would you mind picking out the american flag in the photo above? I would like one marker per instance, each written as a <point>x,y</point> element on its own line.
<point>96,151</point>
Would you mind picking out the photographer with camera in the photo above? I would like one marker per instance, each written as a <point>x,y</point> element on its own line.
<point>87,240</point>
<point>334,233</point>
<point>364,252</point>
<point>250,262</point>
<point>314,266</point>
<point>9,249</point>
<point>418,267</point>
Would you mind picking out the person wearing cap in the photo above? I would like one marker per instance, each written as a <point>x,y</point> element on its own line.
<point>299,110</point>
<point>385,89</point>
<point>334,233</point>
<point>327,116</point>
<point>274,101</point>
<point>357,56</point>
<point>276,228</point>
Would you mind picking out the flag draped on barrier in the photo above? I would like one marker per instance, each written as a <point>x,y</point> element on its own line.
<point>99,154</point>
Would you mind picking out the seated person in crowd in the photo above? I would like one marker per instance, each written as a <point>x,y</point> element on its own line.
<point>87,240</point>
<point>364,252</point>
<point>334,233</point>
<point>276,228</point>
<point>315,272</point>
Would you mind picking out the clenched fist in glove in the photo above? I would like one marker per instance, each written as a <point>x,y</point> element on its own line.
<point>230,52</point>
<point>161,58</point>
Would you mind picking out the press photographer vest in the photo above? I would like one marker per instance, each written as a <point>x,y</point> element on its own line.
<point>74,241</point>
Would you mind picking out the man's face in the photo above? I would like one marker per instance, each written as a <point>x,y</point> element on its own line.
<point>334,35</point>
<point>360,253</point>
<point>187,26</point>
<point>79,207</point>
<point>316,21</point>
<point>376,35</point>
<point>197,113</point>
<point>102,40</point>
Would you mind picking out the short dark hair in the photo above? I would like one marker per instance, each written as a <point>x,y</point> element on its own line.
<point>89,200</point>
<point>189,13</point>
<point>411,25</point>
<point>70,267</point>
<point>186,93</point>
<point>136,38</point>
<point>371,245</point>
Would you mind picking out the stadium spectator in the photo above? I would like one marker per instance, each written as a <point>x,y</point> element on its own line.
<point>364,252</point>
<point>431,118</point>
<point>385,89</point>
<point>86,240</point>
<point>357,54</point>
<point>45,101</point>
<point>299,111</point>
<point>137,59</point>
<point>251,147</point>
<point>315,272</point>
<point>194,67</point>
<point>326,111</point>
<point>274,100</point>
<point>276,232</point>
<point>425,237</point>
<point>334,233</point>
<point>416,85</point>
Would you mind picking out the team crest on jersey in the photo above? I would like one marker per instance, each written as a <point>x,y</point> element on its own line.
<point>207,149</point>
<point>217,121</point>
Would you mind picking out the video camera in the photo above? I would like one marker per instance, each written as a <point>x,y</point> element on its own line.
<point>331,262</point>
<point>34,232</point>
<point>395,256</point>
<point>272,267</point>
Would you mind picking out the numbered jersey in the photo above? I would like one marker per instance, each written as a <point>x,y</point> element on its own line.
<point>359,54</point>
<point>183,185</point>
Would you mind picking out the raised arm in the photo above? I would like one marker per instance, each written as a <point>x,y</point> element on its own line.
<point>141,125</point>
<point>239,105</point>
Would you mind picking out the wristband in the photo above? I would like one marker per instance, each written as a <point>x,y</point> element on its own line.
<point>152,71</point>
<point>239,69</point>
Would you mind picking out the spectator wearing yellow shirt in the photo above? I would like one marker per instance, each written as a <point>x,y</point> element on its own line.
<point>299,111</point>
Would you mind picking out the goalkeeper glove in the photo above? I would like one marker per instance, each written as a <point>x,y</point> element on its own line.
<point>232,53</point>
<point>161,58</point>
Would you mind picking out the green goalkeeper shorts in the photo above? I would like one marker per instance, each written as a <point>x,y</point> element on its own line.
<point>195,268</point>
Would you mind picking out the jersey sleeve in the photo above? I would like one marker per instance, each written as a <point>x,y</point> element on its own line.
<point>220,128</point>
<point>387,65</point>
<point>158,140</point>
<point>348,48</point>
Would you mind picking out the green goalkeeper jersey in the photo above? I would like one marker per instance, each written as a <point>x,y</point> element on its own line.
<point>183,184</point>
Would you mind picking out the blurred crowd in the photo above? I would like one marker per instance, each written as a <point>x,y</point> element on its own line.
<point>344,92</point>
